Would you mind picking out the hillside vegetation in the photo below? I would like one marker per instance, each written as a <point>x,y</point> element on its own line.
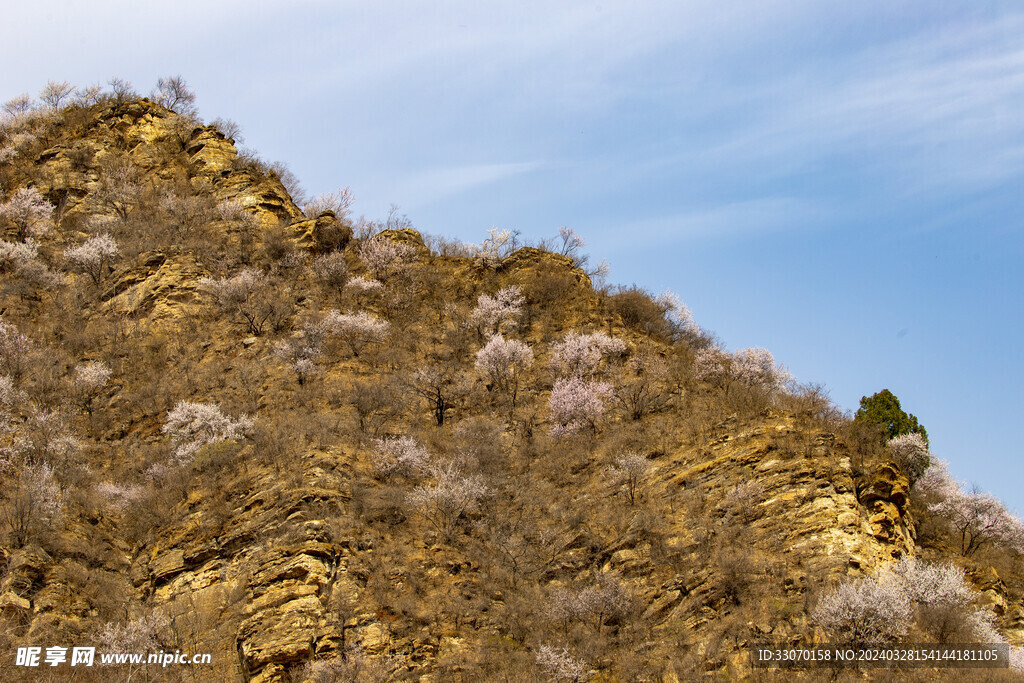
<point>321,447</point>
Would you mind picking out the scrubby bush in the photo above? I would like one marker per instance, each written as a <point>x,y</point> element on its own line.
<point>331,271</point>
<point>173,92</point>
<point>32,501</point>
<point>338,203</point>
<point>638,310</point>
<point>247,294</point>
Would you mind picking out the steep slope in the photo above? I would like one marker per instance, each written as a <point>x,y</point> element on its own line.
<point>292,543</point>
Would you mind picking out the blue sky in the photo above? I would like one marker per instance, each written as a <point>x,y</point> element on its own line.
<point>838,182</point>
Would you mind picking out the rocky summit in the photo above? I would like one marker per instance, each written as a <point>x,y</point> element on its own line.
<point>316,447</point>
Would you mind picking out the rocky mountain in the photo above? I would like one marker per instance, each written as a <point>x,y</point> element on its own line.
<point>325,448</point>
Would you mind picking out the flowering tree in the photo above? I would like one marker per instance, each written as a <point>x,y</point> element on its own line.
<point>452,495</point>
<point>978,518</point>
<point>934,597</point>
<point>504,361</point>
<point>187,213</point>
<point>709,365</point>
<point>868,610</point>
<point>559,665</point>
<point>32,501</point>
<point>88,95</point>
<point>299,353</point>
<point>18,106</point>
<point>356,330</point>
<point>936,482</point>
<point>90,378</point>
<point>604,600</point>
<point>580,355</point>
<point>677,313</point>
<point>192,426</point>
<point>399,455</point>
<point>493,312</point>
<point>15,349</point>
<point>235,211</point>
<point>576,404</point>
<point>498,245</point>
<point>16,255</point>
<point>29,213</point>
<point>910,452</point>
<point>384,257</point>
<point>93,256</point>
<point>743,500</point>
<point>363,284</point>
<point>628,472</point>
<point>756,367</point>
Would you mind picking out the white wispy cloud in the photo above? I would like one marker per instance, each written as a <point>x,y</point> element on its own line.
<point>436,184</point>
<point>744,219</point>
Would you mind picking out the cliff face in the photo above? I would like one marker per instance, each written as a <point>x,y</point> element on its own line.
<point>289,546</point>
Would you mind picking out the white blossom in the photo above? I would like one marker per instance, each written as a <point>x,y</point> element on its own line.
<point>363,284</point>
<point>400,455</point>
<point>867,610</point>
<point>503,361</point>
<point>29,212</point>
<point>384,257</point>
<point>331,270</point>
<point>709,366</point>
<point>910,452</point>
<point>579,355</point>
<point>493,312</point>
<point>192,426</point>
<point>560,665</point>
<point>676,312</point>
<point>576,404</point>
<point>92,377</point>
<point>357,329</point>
<point>92,256</point>
<point>452,495</point>
<point>628,472</point>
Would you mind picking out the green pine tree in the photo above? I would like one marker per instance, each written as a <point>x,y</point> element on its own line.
<point>884,410</point>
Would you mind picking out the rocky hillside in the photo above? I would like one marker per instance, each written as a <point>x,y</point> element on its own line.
<point>321,448</point>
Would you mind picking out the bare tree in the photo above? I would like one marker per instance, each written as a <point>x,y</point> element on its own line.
<point>442,385</point>
<point>56,92</point>
<point>173,93</point>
